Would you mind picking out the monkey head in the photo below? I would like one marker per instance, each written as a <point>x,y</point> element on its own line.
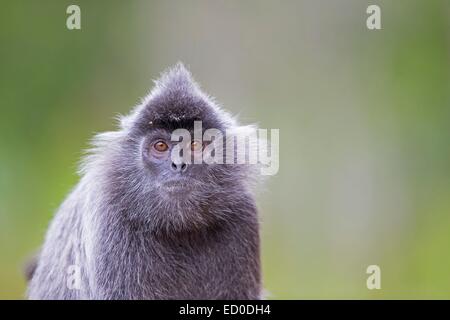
<point>146,182</point>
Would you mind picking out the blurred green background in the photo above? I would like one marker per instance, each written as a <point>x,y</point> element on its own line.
<point>363,116</point>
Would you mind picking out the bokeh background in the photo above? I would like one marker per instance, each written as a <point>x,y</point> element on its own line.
<point>363,116</point>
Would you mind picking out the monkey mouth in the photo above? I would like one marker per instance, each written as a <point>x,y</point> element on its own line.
<point>177,185</point>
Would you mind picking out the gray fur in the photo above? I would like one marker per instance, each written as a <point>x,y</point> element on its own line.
<point>133,240</point>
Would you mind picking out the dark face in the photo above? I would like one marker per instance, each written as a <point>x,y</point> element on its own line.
<point>151,187</point>
<point>185,180</point>
<point>175,178</point>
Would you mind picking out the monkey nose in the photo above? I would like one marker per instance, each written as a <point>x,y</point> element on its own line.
<point>180,167</point>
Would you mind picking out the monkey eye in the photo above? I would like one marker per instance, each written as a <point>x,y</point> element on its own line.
<point>160,146</point>
<point>196,145</point>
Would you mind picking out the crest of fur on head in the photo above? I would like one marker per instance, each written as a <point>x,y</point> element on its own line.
<point>114,161</point>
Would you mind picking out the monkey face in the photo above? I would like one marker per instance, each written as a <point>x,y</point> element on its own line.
<point>176,167</point>
<point>184,192</point>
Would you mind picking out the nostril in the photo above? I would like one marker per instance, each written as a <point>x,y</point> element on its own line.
<point>178,167</point>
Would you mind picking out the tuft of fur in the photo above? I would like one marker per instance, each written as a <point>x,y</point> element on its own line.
<point>118,235</point>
